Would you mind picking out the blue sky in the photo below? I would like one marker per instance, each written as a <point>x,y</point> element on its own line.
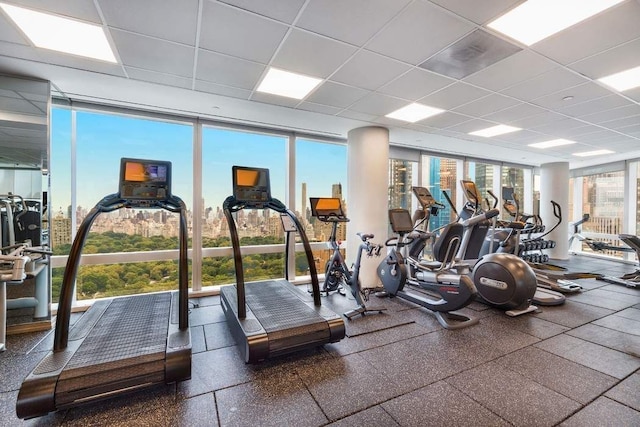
<point>103,139</point>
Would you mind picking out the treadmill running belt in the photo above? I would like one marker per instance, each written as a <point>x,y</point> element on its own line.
<point>278,308</point>
<point>132,327</point>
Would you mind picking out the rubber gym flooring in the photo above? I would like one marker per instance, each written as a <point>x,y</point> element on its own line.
<point>572,365</point>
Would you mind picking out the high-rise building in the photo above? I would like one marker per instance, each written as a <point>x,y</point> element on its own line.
<point>60,231</point>
<point>336,191</point>
<point>303,211</point>
<point>400,179</point>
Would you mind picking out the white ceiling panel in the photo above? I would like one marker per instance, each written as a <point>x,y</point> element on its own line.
<point>274,99</point>
<point>612,61</point>
<point>487,105</point>
<point>163,79</point>
<point>593,35</point>
<point>444,120</point>
<point>490,8</point>
<point>318,108</point>
<point>522,137</point>
<point>235,32</point>
<point>612,114</point>
<point>559,125</point>
<point>515,69</point>
<point>227,70</point>
<point>80,9</point>
<point>471,126</point>
<point>10,33</point>
<point>619,124</point>
<point>336,95</point>
<point>516,112</point>
<point>232,92</point>
<point>355,115</point>
<point>415,84</point>
<point>281,10</point>
<point>420,31</point>
<point>310,54</point>
<point>338,41</point>
<point>173,20</point>
<point>150,54</point>
<point>453,96</point>
<point>353,21</point>
<point>552,81</point>
<point>357,71</point>
<point>537,120</point>
<point>595,105</point>
<point>572,96</point>
<point>377,104</point>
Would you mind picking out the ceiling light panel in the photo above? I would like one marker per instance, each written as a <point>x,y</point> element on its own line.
<point>535,20</point>
<point>552,143</point>
<point>593,153</point>
<point>285,83</point>
<point>495,131</point>
<point>623,80</point>
<point>61,34</point>
<point>414,112</point>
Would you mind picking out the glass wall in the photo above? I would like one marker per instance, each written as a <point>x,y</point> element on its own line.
<point>221,150</point>
<point>98,141</point>
<point>403,174</point>
<point>321,171</point>
<point>482,175</point>
<point>603,200</point>
<point>513,178</point>
<point>440,174</point>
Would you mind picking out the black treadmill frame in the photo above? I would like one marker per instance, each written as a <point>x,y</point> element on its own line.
<point>37,395</point>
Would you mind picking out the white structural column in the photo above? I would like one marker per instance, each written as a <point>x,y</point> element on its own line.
<point>554,185</point>
<point>368,182</point>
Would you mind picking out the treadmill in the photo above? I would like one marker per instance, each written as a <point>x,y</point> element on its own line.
<point>122,344</point>
<point>271,317</point>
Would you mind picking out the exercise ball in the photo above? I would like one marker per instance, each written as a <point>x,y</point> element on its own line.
<point>504,281</point>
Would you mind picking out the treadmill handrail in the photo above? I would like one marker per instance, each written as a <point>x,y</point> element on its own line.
<point>230,205</point>
<point>111,203</point>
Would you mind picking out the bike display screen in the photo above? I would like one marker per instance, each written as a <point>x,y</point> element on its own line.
<point>325,208</point>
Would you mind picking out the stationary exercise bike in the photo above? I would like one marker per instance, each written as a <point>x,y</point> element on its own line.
<point>337,274</point>
<point>433,285</point>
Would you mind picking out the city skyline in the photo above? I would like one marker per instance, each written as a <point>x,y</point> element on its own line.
<point>103,139</point>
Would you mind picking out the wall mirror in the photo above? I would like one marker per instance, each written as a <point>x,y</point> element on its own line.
<point>24,213</point>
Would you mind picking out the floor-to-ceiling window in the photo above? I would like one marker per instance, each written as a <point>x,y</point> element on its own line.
<point>86,150</point>
<point>482,174</point>
<point>321,171</point>
<point>221,150</point>
<point>403,175</point>
<point>439,175</point>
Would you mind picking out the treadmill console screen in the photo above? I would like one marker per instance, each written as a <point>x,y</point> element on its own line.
<point>145,179</point>
<point>424,197</point>
<point>326,208</point>
<point>400,220</point>
<point>251,185</point>
<point>471,191</point>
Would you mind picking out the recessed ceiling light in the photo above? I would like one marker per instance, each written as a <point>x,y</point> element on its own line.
<point>286,83</point>
<point>61,34</point>
<point>414,112</point>
<point>593,153</point>
<point>535,20</point>
<point>623,80</point>
<point>494,131</point>
<point>568,98</point>
<point>552,143</point>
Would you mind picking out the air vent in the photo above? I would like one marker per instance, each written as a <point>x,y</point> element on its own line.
<point>470,54</point>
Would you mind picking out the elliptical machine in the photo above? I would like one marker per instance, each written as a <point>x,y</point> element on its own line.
<point>337,275</point>
<point>503,280</point>
<point>433,285</point>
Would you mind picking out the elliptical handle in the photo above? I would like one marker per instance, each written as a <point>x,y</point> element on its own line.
<point>491,213</point>
<point>494,197</point>
<point>453,208</point>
